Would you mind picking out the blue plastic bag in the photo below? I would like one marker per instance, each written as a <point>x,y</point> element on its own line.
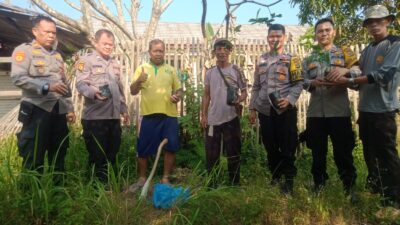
<point>165,196</point>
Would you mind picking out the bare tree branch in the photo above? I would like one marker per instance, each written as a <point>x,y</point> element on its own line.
<point>227,17</point>
<point>120,13</point>
<point>107,14</point>
<point>165,5</point>
<point>230,11</point>
<point>72,5</point>
<point>203,18</point>
<point>86,16</point>
<point>135,4</point>
<point>70,22</point>
<point>155,15</point>
<point>156,12</point>
<point>254,2</point>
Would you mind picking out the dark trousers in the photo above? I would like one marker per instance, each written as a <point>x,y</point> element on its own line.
<point>339,129</point>
<point>42,131</point>
<point>378,134</point>
<point>230,133</point>
<point>102,139</point>
<point>279,136</point>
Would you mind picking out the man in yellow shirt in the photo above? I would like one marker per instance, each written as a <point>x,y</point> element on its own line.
<point>160,92</point>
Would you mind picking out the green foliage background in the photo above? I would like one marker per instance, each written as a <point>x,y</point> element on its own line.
<point>347,15</point>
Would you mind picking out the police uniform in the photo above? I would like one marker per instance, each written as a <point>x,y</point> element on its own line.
<point>378,106</point>
<point>278,76</point>
<point>101,119</point>
<point>329,114</point>
<point>42,113</point>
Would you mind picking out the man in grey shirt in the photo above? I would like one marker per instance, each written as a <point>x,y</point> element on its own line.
<point>278,83</point>
<point>220,119</point>
<point>38,69</point>
<point>98,79</point>
<point>378,84</point>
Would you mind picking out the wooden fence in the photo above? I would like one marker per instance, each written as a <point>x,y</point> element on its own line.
<point>189,55</point>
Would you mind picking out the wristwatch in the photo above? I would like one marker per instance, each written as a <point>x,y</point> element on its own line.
<point>45,89</point>
<point>350,81</point>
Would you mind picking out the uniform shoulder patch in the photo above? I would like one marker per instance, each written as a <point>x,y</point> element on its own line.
<point>379,59</point>
<point>295,69</point>
<point>80,66</point>
<point>59,57</point>
<point>350,57</point>
<point>19,56</point>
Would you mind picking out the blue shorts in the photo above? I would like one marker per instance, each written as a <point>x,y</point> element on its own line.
<point>153,129</point>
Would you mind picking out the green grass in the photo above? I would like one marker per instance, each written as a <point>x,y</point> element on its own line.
<point>26,198</point>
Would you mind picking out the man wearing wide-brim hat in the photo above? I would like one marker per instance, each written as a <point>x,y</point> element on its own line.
<point>378,105</point>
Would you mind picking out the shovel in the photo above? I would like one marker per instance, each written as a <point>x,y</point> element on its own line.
<point>146,185</point>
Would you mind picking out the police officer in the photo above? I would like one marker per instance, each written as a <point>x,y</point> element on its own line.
<point>379,103</point>
<point>277,86</point>
<point>329,108</point>
<point>38,69</point>
<point>99,81</point>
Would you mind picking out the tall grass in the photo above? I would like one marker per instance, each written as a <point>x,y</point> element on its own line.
<point>29,198</point>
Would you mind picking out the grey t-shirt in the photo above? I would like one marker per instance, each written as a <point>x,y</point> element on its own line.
<point>219,111</point>
<point>381,63</point>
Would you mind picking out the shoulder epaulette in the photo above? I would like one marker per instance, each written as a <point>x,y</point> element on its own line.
<point>350,57</point>
<point>295,69</point>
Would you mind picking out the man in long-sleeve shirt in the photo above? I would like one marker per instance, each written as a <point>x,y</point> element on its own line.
<point>277,86</point>
<point>38,69</point>
<point>379,104</point>
<point>99,81</point>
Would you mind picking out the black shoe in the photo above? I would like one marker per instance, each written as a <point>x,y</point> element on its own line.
<point>372,185</point>
<point>275,181</point>
<point>317,189</point>
<point>390,202</point>
<point>287,187</point>
<point>348,190</point>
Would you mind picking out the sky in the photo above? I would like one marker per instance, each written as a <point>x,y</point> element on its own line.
<point>191,10</point>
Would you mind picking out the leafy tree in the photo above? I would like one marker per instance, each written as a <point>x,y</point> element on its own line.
<point>348,16</point>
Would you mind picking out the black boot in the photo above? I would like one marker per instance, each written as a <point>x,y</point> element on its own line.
<point>287,187</point>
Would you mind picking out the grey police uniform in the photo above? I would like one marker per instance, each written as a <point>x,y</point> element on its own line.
<point>42,113</point>
<point>379,102</point>
<point>278,74</point>
<point>101,119</point>
<point>329,115</point>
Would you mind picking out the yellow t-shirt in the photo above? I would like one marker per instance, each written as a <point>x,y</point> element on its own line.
<point>161,82</point>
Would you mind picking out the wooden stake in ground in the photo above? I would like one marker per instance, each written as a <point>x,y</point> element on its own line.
<point>146,185</point>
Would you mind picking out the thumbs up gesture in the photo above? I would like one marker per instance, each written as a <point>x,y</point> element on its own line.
<point>143,76</point>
